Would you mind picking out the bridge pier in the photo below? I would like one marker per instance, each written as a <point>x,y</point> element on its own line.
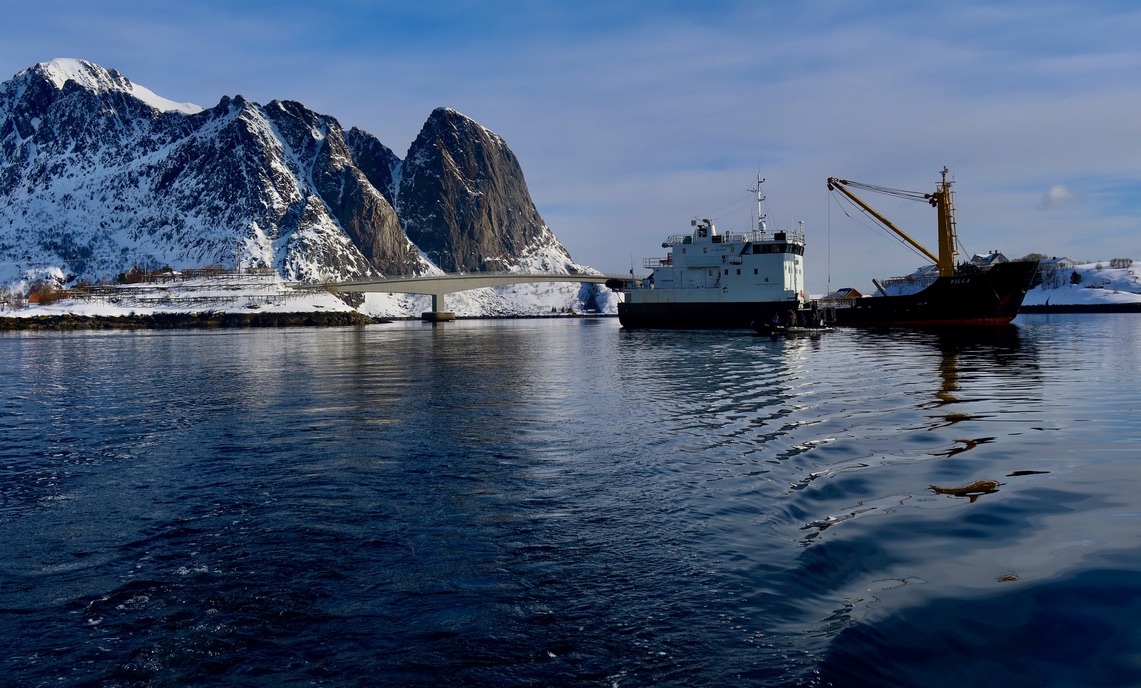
<point>438,314</point>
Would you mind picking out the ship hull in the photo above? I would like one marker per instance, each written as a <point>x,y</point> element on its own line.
<point>989,297</point>
<point>699,314</point>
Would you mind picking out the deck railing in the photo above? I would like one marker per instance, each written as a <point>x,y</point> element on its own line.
<point>795,235</point>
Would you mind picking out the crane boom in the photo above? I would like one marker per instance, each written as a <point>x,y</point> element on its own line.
<point>941,199</point>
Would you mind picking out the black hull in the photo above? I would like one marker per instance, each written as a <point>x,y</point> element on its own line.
<point>990,297</point>
<point>700,315</point>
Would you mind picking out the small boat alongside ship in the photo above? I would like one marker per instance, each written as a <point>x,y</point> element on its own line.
<point>776,330</point>
<point>736,280</point>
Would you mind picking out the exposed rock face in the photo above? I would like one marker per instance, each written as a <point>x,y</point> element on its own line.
<point>464,201</point>
<point>380,165</point>
<point>98,175</point>
<point>319,146</point>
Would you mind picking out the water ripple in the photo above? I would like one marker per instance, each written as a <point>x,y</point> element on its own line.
<point>566,502</point>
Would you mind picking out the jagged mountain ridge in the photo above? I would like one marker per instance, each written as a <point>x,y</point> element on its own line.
<point>98,174</point>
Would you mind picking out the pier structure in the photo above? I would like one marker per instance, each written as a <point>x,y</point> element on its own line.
<point>439,286</point>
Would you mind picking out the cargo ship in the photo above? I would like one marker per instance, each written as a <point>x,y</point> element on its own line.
<point>709,279</point>
<point>960,293</point>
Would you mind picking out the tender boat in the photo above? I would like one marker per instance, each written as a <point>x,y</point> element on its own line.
<point>776,330</point>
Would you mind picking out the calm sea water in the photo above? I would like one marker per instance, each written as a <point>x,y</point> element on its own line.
<point>562,502</point>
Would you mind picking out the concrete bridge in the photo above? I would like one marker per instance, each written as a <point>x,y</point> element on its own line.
<point>439,286</point>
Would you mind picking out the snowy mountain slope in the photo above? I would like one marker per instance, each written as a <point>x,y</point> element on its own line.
<point>98,174</point>
<point>97,181</point>
<point>321,157</point>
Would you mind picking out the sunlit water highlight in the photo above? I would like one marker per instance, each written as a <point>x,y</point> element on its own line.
<point>563,502</point>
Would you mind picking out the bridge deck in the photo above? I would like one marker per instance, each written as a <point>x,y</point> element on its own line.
<point>439,286</point>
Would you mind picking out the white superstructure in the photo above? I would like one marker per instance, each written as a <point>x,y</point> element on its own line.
<point>732,267</point>
<point>713,279</point>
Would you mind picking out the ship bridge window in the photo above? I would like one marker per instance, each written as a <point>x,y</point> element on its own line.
<point>794,249</point>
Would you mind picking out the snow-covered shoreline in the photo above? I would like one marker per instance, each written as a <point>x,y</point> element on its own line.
<point>1086,287</point>
<point>265,300</point>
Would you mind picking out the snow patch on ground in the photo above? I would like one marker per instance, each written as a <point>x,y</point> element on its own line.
<point>267,292</point>
<point>1096,283</point>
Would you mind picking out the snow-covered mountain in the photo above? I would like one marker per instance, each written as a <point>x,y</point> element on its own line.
<point>98,175</point>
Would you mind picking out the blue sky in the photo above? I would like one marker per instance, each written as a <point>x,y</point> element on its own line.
<point>631,118</point>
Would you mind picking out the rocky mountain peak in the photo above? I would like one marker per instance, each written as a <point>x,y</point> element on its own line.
<point>464,201</point>
<point>99,80</point>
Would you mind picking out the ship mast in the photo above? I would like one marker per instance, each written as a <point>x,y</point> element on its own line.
<point>944,201</point>
<point>760,212</point>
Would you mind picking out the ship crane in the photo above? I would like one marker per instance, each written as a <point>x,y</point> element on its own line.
<point>942,200</point>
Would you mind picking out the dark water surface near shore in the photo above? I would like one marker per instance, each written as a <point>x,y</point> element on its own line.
<point>562,502</point>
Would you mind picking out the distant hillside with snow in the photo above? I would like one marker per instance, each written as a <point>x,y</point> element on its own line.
<point>1096,283</point>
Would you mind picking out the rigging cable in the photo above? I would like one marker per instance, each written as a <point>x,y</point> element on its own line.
<point>898,193</point>
<point>735,207</point>
<point>878,226</point>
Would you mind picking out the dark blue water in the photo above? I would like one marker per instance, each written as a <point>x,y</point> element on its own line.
<point>567,503</point>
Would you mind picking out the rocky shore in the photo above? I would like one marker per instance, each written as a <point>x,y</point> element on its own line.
<point>171,321</point>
